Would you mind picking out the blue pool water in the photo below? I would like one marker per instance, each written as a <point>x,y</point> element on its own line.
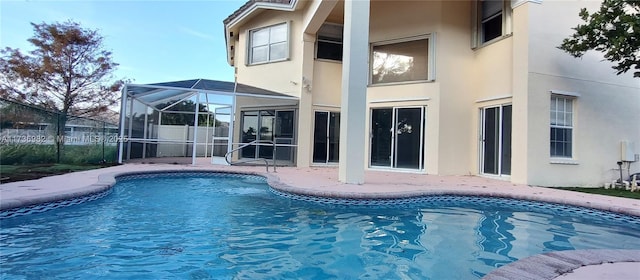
<point>234,227</point>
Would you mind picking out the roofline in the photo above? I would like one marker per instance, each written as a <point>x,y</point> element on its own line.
<point>234,93</point>
<point>254,6</point>
<point>244,12</point>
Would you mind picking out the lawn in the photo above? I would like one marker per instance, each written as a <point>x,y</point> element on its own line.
<point>14,173</point>
<point>609,192</point>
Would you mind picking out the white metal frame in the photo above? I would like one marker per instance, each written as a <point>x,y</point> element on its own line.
<point>249,60</point>
<point>394,160</point>
<point>483,112</point>
<point>326,161</point>
<point>128,100</point>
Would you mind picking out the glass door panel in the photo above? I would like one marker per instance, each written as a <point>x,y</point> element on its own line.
<point>381,137</point>
<point>326,137</point>
<point>267,123</point>
<point>284,134</point>
<point>496,140</point>
<point>334,137</point>
<point>249,133</point>
<point>408,138</point>
<point>320,137</point>
<point>505,166</point>
<point>491,140</point>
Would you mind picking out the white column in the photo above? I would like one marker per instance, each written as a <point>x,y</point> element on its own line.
<point>354,89</point>
<point>123,107</point>
<point>195,131</point>
<point>305,104</point>
<point>232,120</point>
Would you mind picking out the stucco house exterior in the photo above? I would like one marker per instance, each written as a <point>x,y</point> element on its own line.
<point>473,87</point>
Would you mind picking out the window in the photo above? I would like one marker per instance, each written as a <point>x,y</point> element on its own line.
<point>329,43</point>
<point>401,61</point>
<point>561,127</point>
<point>493,20</point>
<point>269,44</point>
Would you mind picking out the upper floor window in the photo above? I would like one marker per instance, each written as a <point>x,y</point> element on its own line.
<point>402,60</point>
<point>269,44</point>
<point>561,139</point>
<point>329,43</point>
<point>493,20</point>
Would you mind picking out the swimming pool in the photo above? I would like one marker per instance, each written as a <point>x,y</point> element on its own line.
<point>223,226</point>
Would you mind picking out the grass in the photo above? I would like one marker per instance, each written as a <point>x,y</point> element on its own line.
<point>609,192</point>
<point>29,154</point>
<point>14,173</point>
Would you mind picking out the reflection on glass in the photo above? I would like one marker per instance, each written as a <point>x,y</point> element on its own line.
<point>399,62</point>
<point>381,126</point>
<point>249,132</point>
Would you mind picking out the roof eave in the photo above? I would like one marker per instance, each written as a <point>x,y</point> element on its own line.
<point>233,21</point>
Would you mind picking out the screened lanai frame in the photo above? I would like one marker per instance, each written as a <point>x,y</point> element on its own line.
<point>142,107</point>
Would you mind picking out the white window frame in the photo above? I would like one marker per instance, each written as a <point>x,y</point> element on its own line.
<point>250,46</point>
<point>570,126</point>
<point>431,58</point>
<point>476,17</point>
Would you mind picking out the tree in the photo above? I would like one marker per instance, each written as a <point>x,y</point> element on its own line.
<point>68,71</point>
<point>186,109</point>
<point>613,30</point>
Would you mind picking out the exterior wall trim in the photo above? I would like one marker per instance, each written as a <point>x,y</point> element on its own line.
<point>517,3</point>
<point>326,105</point>
<point>399,100</point>
<point>268,106</point>
<point>494,98</point>
<point>565,93</point>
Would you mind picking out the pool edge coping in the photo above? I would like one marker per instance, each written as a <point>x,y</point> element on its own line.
<point>554,264</point>
<point>107,180</point>
<point>280,186</point>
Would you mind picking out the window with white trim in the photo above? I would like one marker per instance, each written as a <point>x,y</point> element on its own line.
<point>329,42</point>
<point>561,138</point>
<point>403,60</point>
<point>269,44</point>
<point>493,21</point>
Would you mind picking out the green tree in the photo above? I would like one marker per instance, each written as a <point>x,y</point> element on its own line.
<point>613,30</point>
<point>186,109</point>
<point>68,71</point>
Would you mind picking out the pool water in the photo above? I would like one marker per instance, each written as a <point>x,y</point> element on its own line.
<point>234,227</point>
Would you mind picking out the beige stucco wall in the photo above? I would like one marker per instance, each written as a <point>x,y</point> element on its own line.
<point>283,76</point>
<point>520,69</point>
<point>606,112</point>
<point>327,83</point>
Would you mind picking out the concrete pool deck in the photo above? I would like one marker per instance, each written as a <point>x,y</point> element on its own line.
<point>323,181</point>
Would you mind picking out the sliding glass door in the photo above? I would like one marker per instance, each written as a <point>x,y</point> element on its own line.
<point>495,158</point>
<point>326,136</point>
<point>397,137</point>
<point>268,125</point>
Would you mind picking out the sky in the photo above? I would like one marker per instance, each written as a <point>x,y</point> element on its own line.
<point>153,41</point>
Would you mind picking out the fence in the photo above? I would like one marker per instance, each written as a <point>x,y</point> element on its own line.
<point>30,135</point>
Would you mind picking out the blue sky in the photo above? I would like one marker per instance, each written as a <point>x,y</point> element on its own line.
<point>153,41</point>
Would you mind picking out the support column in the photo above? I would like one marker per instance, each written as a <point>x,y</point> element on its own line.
<point>194,144</point>
<point>305,105</point>
<point>354,89</point>
<point>123,113</point>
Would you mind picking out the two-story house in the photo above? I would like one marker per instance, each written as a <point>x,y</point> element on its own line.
<point>439,87</point>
